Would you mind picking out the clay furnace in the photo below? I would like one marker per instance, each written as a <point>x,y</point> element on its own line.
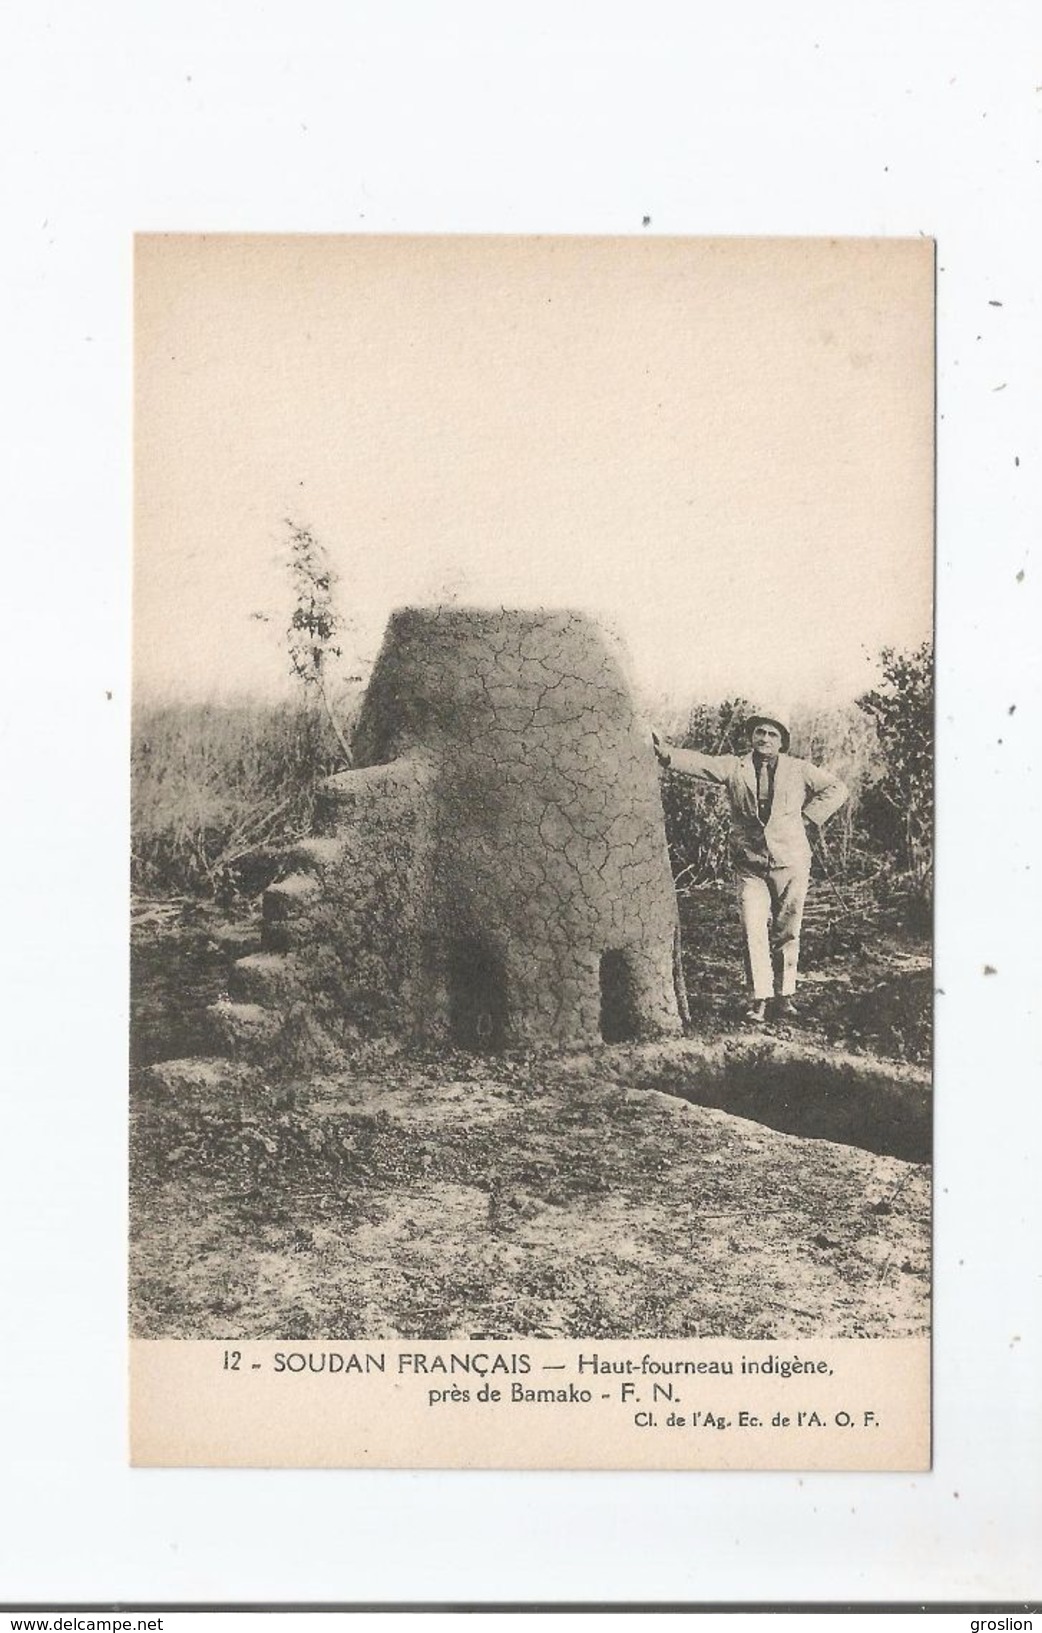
<point>494,870</point>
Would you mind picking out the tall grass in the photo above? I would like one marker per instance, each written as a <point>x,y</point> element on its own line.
<point>218,788</point>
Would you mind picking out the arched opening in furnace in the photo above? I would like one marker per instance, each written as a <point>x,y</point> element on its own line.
<point>619,1019</point>
<point>478,1008</point>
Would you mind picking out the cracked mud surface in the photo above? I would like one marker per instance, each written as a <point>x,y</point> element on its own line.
<point>544,839</point>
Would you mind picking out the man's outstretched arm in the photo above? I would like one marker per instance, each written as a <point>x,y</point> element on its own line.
<point>715,768</point>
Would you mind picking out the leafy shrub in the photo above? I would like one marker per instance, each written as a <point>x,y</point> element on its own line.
<point>881,746</point>
<point>697,823</point>
<point>902,711</point>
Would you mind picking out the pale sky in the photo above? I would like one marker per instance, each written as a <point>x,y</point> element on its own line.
<point>722,447</point>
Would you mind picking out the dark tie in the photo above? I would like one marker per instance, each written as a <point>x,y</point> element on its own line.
<point>763,791</point>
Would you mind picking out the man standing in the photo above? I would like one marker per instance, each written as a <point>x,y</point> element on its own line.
<point>771,795</point>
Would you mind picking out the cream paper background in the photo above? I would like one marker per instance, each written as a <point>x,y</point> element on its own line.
<point>885,119</point>
<point>280,1404</point>
<point>724,447</point>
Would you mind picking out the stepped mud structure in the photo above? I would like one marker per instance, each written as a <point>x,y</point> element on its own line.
<point>494,871</point>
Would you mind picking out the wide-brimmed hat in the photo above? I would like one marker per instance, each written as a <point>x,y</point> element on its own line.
<point>771,717</point>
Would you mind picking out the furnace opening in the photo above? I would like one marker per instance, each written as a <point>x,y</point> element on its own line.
<point>620,1022</point>
<point>478,1009</point>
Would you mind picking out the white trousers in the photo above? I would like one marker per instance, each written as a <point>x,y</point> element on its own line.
<point>771,906</point>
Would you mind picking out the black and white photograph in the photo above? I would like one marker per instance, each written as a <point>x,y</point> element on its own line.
<point>532,789</point>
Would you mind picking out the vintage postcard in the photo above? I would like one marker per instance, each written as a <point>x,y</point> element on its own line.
<point>532,852</point>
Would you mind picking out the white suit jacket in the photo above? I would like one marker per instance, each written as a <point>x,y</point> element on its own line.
<point>801,791</point>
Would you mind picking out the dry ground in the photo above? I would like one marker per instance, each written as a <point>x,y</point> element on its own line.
<point>544,1195</point>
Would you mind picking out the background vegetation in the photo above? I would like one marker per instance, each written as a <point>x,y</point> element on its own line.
<point>880,844</point>
<point>219,790</point>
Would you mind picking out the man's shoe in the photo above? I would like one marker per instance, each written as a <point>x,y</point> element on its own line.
<point>785,1009</point>
<point>757,1012</point>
